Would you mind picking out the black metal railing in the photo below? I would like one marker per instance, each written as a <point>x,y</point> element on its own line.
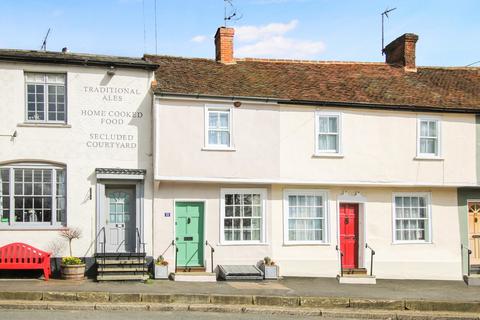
<point>341,260</point>
<point>469,252</point>
<point>103,244</point>
<point>372,253</point>
<point>141,249</point>
<point>212,250</point>
<point>176,253</point>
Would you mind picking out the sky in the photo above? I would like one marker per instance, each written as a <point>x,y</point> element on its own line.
<point>339,30</point>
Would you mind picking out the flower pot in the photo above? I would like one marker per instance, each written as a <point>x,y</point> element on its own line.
<point>161,271</point>
<point>73,271</point>
<point>270,272</point>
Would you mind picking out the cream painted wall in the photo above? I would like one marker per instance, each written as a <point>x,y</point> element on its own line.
<point>68,144</point>
<point>440,259</point>
<point>275,144</point>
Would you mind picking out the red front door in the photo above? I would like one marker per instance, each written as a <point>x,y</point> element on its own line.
<point>349,234</point>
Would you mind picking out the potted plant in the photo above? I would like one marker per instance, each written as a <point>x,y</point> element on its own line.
<point>72,268</point>
<point>161,268</point>
<point>269,268</point>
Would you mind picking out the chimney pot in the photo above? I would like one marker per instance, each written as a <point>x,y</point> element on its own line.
<point>401,51</point>
<point>224,45</point>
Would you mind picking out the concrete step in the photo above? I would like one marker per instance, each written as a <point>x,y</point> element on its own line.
<point>121,255</point>
<point>122,277</point>
<point>472,280</point>
<point>191,269</point>
<point>195,276</point>
<point>356,279</point>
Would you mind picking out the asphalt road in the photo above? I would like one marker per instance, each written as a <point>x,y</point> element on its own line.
<point>145,315</point>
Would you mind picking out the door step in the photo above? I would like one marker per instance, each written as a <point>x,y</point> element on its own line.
<point>194,276</point>
<point>122,277</point>
<point>352,271</point>
<point>191,269</point>
<point>119,262</point>
<point>356,279</point>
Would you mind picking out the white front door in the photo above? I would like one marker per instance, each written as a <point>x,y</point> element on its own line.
<point>120,220</point>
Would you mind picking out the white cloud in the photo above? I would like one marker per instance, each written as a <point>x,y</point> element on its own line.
<point>199,38</point>
<point>269,41</point>
<point>252,33</point>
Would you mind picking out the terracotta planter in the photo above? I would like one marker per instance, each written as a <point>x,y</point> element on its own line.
<point>73,272</point>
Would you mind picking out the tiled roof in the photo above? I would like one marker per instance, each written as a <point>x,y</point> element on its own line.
<point>369,84</point>
<point>74,58</point>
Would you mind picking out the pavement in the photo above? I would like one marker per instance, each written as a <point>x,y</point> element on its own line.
<point>297,287</point>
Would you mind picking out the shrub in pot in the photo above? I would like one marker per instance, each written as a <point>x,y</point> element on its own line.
<point>161,268</point>
<point>269,268</point>
<point>72,268</point>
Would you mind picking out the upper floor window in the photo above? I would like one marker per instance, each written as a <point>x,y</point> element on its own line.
<point>428,144</point>
<point>305,217</point>
<point>218,128</point>
<point>32,195</point>
<point>243,215</point>
<point>328,132</point>
<point>412,222</point>
<point>45,97</point>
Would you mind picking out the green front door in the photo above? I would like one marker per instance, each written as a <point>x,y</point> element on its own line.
<point>189,233</point>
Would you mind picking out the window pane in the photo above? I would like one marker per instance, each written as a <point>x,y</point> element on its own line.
<point>424,128</point>
<point>332,124</point>
<point>224,120</point>
<point>212,137</point>
<point>212,119</point>
<point>432,128</point>
<point>323,124</point>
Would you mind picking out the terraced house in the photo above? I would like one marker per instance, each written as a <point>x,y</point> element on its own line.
<point>225,161</point>
<point>317,164</point>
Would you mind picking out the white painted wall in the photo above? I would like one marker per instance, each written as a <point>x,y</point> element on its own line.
<point>440,259</point>
<point>275,144</point>
<point>68,144</point>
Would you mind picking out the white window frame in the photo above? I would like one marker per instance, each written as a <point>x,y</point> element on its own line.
<point>35,225</point>
<point>438,155</point>
<point>45,83</point>
<point>263,199</point>
<point>338,115</point>
<point>224,108</point>
<point>428,227</point>
<point>309,192</point>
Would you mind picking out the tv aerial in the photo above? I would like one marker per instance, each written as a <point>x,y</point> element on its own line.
<point>385,14</point>
<point>230,12</point>
<point>44,43</point>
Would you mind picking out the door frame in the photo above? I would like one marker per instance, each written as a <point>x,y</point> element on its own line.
<point>362,224</point>
<point>101,187</point>
<point>204,202</point>
<point>468,226</point>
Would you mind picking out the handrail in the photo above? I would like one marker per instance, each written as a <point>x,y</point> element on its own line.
<point>469,252</point>
<point>372,253</point>
<point>212,250</point>
<point>141,244</point>
<point>341,260</point>
<point>176,252</point>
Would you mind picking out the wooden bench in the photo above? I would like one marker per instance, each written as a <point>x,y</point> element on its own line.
<point>21,256</point>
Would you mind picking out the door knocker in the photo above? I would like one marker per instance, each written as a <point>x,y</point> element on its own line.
<point>347,220</point>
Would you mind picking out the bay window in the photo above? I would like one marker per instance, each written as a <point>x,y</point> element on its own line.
<point>243,215</point>
<point>32,195</point>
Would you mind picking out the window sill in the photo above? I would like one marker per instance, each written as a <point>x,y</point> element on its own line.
<point>411,242</point>
<point>306,243</point>
<point>219,149</point>
<point>428,158</point>
<point>32,228</point>
<point>263,244</point>
<point>328,155</point>
<point>43,125</point>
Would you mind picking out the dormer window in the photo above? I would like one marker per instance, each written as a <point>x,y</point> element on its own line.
<point>45,97</point>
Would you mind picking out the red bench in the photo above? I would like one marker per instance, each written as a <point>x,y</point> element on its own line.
<point>21,256</point>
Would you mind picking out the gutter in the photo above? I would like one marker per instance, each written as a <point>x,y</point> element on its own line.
<point>374,106</point>
<point>78,61</point>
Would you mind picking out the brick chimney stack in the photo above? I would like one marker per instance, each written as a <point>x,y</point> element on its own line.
<point>224,45</point>
<point>401,51</point>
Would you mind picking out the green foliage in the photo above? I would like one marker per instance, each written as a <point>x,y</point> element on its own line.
<point>268,261</point>
<point>161,261</point>
<point>71,261</point>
